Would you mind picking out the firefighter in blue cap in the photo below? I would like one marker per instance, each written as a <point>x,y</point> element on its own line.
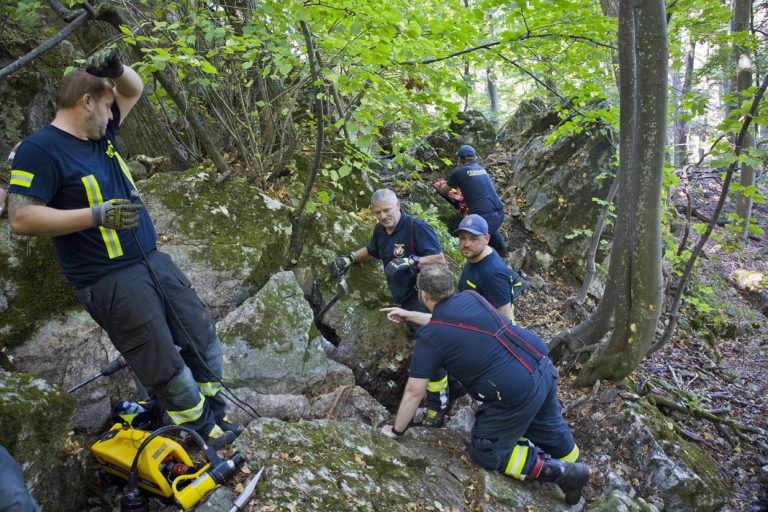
<point>485,271</point>
<point>519,429</point>
<point>479,194</point>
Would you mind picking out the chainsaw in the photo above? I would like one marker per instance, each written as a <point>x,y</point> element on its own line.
<point>453,196</point>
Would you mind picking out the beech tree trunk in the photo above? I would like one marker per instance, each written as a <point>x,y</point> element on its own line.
<point>742,13</point>
<point>632,300</point>
<point>680,126</point>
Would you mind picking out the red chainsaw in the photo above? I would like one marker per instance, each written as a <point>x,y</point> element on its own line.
<point>453,196</point>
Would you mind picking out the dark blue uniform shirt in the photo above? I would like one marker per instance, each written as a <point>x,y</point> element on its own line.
<point>409,238</point>
<point>461,337</point>
<point>490,277</point>
<point>68,173</point>
<point>476,187</point>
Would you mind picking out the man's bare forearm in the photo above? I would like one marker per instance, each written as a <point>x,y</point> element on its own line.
<point>29,216</point>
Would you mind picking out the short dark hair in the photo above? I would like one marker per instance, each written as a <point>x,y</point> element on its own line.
<point>77,83</point>
<point>436,280</point>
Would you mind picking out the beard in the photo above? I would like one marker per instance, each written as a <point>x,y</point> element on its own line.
<point>95,128</point>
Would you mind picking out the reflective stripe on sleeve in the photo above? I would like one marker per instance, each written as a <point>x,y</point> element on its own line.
<point>111,240</point>
<point>22,178</point>
<point>179,417</point>
<point>437,385</point>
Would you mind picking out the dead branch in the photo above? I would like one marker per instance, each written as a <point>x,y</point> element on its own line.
<point>583,398</point>
<point>48,44</point>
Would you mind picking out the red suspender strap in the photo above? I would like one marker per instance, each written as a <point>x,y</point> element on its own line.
<point>491,334</point>
<point>412,247</point>
<point>498,316</point>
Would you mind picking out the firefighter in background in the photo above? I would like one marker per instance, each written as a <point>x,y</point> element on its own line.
<point>485,272</point>
<point>479,193</point>
<point>519,428</point>
<point>404,244</point>
<point>69,182</point>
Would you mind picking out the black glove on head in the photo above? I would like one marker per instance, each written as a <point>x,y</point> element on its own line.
<point>105,64</point>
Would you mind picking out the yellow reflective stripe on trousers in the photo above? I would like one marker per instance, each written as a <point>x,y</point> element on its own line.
<point>517,461</point>
<point>179,417</point>
<point>111,240</point>
<point>437,385</point>
<point>209,388</point>
<point>573,456</point>
<point>22,178</point>
<point>126,170</point>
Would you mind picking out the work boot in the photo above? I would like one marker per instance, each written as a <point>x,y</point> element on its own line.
<point>218,438</point>
<point>433,418</point>
<point>571,477</point>
<point>230,426</point>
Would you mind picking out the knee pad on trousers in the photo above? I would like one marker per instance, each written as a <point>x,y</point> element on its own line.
<point>486,453</point>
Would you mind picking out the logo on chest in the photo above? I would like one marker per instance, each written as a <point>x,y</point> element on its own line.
<point>110,149</point>
<point>399,251</point>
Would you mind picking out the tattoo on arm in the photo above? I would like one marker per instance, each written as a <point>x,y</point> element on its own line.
<point>18,201</point>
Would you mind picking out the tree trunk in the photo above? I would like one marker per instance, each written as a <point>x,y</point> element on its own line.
<point>633,294</point>
<point>493,96</point>
<point>742,13</point>
<point>680,126</point>
<point>142,133</point>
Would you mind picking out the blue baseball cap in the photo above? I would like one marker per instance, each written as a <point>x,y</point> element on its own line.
<point>474,223</point>
<point>466,151</point>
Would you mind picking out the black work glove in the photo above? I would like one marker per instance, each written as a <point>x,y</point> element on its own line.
<point>341,264</point>
<point>105,63</point>
<point>116,214</point>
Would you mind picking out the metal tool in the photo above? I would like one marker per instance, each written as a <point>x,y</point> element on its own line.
<point>342,290</point>
<point>242,500</point>
<point>108,369</point>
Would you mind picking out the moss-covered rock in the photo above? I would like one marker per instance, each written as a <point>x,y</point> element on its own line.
<point>229,237</point>
<point>327,465</point>
<point>268,347</point>
<point>35,418</point>
<point>617,501</point>
<point>685,477</point>
<point>32,288</point>
<point>557,182</point>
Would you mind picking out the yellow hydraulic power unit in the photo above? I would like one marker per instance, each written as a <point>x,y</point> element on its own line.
<point>163,466</point>
<point>159,463</point>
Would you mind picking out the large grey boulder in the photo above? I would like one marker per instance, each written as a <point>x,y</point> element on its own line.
<point>329,465</point>
<point>682,475</point>
<point>228,238</point>
<point>270,345</point>
<point>68,350</point>
<point>557,182</point>
<point>35,418</point>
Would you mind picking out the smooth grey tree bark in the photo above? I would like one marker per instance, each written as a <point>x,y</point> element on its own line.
<point>632,300</point>
<point>741,16</point>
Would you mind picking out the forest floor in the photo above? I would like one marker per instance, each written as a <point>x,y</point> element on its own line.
<point>716,362</point>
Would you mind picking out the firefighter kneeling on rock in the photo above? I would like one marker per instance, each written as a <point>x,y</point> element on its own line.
<point>519,429</point>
